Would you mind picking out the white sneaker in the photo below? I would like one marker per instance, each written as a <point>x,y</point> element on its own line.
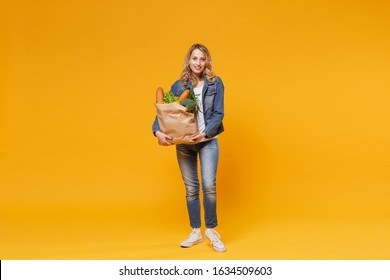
<point>195,237</point>
<point>215,240</point>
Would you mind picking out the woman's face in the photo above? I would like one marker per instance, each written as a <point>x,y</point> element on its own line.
<point>197,62</point>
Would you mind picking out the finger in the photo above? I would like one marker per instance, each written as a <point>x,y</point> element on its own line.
<point>165,136</point>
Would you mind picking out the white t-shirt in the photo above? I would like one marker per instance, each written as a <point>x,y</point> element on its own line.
<point>200,115</point>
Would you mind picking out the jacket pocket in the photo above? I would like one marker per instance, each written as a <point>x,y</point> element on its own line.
<point>211,90</point>
<point>209,98</point>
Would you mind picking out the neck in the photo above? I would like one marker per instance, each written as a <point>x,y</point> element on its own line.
<point>199,79</point>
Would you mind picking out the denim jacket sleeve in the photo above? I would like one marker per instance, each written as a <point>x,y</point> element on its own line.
<point>214,124</point>
<point>155,126</point>
<point>177,88</point>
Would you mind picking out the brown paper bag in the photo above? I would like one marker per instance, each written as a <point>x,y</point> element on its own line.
<point>176,121</point>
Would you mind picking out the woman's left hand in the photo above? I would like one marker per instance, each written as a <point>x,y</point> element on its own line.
<point>198,137</point>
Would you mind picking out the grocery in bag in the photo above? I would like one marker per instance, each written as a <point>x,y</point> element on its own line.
<point>174,119</point>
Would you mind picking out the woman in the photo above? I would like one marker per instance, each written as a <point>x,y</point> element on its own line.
<point>209,90</point>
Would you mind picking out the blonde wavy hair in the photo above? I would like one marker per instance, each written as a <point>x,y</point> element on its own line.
<point>187,74</point>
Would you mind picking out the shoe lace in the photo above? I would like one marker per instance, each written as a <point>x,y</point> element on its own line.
<point>193,235</point>
<point>214,236</point>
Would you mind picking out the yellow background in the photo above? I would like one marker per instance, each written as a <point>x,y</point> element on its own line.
<point>304,164</point>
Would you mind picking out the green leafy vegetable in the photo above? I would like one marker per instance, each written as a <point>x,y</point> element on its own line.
<point>193,97</point>
<point>190,104</point>
<point>169,97</point>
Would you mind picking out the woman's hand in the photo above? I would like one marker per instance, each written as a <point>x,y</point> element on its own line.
<point>198,137</point>
<point>163,139</point>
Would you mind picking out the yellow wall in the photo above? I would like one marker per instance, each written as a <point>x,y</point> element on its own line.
<point>306,103</point>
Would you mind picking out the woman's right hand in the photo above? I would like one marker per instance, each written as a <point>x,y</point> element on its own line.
<point>163,139</point>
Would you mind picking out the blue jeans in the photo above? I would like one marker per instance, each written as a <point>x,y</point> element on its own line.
<point>187,156</point>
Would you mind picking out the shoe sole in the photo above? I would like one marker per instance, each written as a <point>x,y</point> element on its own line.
<point>192,244</point>
<point>218,250</point>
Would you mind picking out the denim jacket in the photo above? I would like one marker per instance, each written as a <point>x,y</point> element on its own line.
<point>213,105</point>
